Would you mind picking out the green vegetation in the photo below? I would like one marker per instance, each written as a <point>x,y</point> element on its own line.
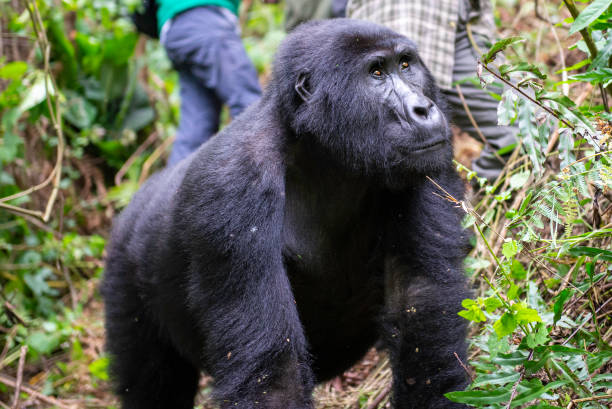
<point>88,110</point>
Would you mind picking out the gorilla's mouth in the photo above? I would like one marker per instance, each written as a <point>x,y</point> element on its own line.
<point>429,146</point>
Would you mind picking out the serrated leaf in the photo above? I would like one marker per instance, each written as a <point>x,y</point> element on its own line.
<point>597,76</point>
<point>506,69</point>
<point>589,14</point>
<point>510,248</point>
<point>492,303</point>
<point>603,55</point>
<point>527,315</point>
<point>505,325</point>
<point>500,46</point>
<point>519,179</point>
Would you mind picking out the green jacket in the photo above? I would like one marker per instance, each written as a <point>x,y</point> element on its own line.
<point>170,8</point>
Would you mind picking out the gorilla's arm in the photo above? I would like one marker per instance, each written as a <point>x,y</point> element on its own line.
<point>229,222</point>
<point>424,287</point>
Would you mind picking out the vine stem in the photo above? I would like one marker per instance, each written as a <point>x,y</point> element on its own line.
<point>520,91</point>
<point>571,6</point>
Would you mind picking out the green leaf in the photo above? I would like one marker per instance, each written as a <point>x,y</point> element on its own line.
<point>589,14</point>
<point>139,118</point>
<point>13,70</point>
<point>510,248</point>
<point>603,55</point>
<point>519,179</point>
<point>42,342</point>
<point>99,368</point>
<point>517,270</point>
<point>472,311</point>
<point>497,378</point>
<point>561,298</point>
<point>597,76</point>
<point>535,389</point>
<point>604,255</point>
<point>492,303</point>
<point>500,46</point>
<point>78,111</point>
<point>505,69</point>
<point>479,398</point>
<point>540,337</point>
<point>505,325</point>
<point>513,291</point>
<point>526,315</point>
<point>513,359</point>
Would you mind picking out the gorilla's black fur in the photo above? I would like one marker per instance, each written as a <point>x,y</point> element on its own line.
<point>280,251</point>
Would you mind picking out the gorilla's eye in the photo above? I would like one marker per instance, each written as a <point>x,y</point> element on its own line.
<point>405,64</point>
<point>376,72</point>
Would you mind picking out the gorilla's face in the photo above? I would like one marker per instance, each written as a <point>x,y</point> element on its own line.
<point>415,130</point>
<point>369,101</point>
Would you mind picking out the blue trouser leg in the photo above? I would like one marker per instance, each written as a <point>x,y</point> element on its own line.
<point>204,46</point>
<point>200,112</point>
<point>483,108</point>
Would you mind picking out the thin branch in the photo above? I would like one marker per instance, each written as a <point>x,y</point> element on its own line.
<point>382,395</point>
<point>19,381</point>
<point>465,368</point>
<point>585,321</point>
<point>523,93</point>
<point>11,382</point>
<point>516,384</point>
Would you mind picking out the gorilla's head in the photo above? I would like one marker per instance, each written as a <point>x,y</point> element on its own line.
<point>361,92</point>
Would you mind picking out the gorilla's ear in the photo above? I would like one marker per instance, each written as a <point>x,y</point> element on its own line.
<point>301,87</point>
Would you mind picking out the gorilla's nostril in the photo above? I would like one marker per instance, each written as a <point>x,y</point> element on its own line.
<point>421,111</point>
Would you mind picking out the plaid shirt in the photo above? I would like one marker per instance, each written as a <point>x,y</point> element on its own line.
<point>431,24</point>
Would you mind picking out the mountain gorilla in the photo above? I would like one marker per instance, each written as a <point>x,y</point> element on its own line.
<point>301,234</point>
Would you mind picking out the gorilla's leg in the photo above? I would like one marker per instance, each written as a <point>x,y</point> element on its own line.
<point>147,370</point>
<point>422,332</point>
<point>424,287</point>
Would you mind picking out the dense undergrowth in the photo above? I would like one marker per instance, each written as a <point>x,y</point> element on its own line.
<point>88,110</point>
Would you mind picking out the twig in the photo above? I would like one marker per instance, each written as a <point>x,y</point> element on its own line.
<point>10,382</point>
<point>22,355</point>
<point>146,167</point>
<point>8,340</point>
<point>538,15</point>
<point>382,395</point>
<point>128,163</point>
<point>585,321</point>
<point>465,368</point>
<point>592,398</point>
<point>475,125</point>
<point>515,386</point>
<point>523,93</point>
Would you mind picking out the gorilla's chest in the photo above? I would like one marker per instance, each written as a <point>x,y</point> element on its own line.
<point>332,251</point>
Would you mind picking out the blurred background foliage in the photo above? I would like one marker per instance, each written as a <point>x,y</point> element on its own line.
<point>89,108</point>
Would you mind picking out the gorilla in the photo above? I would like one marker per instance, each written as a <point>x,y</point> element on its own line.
<point>299,236</point>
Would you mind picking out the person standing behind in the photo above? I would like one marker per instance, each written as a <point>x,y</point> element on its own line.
<point>442,30</point>
<point>202,40</point>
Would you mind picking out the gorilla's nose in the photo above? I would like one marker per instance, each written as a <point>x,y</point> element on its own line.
<point>423,111</point>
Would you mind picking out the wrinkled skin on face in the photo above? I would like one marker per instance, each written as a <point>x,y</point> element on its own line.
<point>371,103</point>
